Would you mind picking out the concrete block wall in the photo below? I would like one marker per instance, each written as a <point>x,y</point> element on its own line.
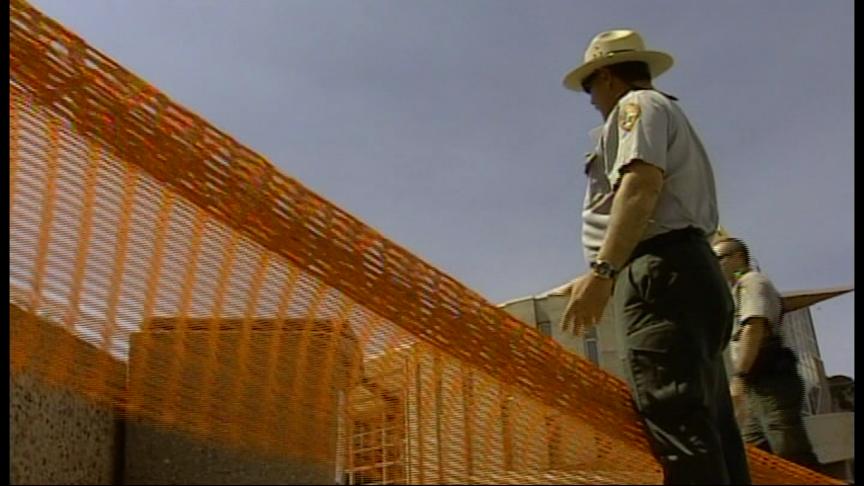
<point>156,455</point>
<point>57,436</point>
<point>300,419</point>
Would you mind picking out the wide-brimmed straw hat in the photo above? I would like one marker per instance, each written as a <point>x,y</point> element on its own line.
<point>615,47</point>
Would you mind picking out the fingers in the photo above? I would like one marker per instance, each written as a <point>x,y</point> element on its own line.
<point>580,321</point>
<point>572,323</point>
<point>573,320</point>
<point>578,315</point>
<point>578,329</point>
<point>568,318</point>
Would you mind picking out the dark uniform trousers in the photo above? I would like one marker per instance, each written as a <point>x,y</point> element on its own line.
<point>674,315</point>
<point>774,421</point>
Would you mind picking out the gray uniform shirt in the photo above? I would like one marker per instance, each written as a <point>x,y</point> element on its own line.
<point>755,296</point>
<point>648,126</point>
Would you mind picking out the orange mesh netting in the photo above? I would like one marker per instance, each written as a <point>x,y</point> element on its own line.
<point>245,310</point>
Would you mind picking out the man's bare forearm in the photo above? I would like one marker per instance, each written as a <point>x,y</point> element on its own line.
<point>749,344</point>
<point>632,207</point>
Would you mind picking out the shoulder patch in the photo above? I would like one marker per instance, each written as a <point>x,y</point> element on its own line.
<point>629,115</point>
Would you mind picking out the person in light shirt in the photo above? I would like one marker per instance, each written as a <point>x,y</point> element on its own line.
<point>766,388</point>
<point>650,207</point>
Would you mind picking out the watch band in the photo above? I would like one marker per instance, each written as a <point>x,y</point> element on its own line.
<point>603,269</point>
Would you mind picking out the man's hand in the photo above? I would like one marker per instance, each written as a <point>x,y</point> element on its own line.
<point>588,297</point>
<point>738,392</point>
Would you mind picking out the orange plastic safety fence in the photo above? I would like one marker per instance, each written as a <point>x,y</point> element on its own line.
<point>228,302</point>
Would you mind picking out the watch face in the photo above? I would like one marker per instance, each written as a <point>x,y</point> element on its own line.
<point>604,269</point>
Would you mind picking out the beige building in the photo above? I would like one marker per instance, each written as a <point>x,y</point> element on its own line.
<point>829,425</point>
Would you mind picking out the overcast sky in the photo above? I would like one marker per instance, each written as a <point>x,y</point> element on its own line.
<point>444,125</point>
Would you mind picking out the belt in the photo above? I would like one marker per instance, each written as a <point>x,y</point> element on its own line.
<point>665,240</point>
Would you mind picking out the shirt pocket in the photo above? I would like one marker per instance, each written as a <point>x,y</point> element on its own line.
<point>598,184</point>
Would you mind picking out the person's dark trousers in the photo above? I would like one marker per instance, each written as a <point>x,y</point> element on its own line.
<point>774,421</point>
<point>674,314</point>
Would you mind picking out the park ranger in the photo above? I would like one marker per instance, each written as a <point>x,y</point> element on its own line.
<point>650,207</point>
<point>767,390</point>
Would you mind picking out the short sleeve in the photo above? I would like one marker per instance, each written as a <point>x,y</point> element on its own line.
<point>643,127</point>
<point>758,299</point>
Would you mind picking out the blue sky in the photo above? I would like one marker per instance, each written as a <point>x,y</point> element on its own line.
<point>444,124</point>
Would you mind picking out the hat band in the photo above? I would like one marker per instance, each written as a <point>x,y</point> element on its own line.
<point>614,52</point>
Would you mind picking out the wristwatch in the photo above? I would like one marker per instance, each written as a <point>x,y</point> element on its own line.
<point>603,269</point>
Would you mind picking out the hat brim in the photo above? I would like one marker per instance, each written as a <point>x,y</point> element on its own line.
<point>658,63</point>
